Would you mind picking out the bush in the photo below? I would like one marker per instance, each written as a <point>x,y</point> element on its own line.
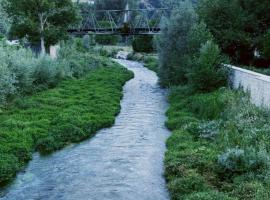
<point>266,45</point>
<point>7,83</point>
<point>251,191</point>
<point>188,184</point>
<point>107,39</point>
<point>143,44</point>
<point>211,195</point>
<point>45,72</point>
<point>208,74</point>
<point>240,161</point>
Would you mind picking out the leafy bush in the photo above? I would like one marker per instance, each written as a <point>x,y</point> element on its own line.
<point>7,83</point>
<point>211,195</point>
<point>209,129</point>
<point>143,44</point>
<point>188,184</point>
<point>208,74</point>
<point>266,45</point>
<point>45,72</point>
<point>251,190</point>
<point>240,161</point>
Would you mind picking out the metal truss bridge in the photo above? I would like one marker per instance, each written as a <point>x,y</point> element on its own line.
<point>120,22</point>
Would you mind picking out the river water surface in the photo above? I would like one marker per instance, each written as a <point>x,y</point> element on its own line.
<point>124,162</point>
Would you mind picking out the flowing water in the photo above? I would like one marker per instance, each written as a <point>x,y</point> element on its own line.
<point>124,162</point>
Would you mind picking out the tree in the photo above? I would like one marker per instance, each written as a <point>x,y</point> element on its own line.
<point>208,74</point>
<point>4,20</point>
<point>238,26</point>
<point>43,21</point>
<point>172,44</point>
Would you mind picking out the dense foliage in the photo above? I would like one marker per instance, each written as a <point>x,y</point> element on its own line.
<point>143,44</point>
<point>4,20</point>
<point>187,52</point>
<point>41,21</point>
<point>239,26</point>
<point>54,118</point>
<point>219,148</point>
<point>22,73</point>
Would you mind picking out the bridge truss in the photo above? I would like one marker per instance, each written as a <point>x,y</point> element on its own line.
<point>120,22</point>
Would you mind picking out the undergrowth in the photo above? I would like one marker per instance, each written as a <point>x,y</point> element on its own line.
<point>219,149</point>
<point>54,118</point>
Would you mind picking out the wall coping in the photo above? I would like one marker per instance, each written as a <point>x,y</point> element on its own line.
<point>256,75</point>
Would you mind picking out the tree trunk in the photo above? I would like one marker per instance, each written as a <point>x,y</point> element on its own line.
<point>42,39</point>
<point>42,43</point>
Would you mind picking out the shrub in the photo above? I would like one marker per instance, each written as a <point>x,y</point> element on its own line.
<point>209,195</point>
<point>7,83</point>
<point>251,191</point>
<point>266,45</point>
<point>107,39</point>
<point>45,72</point>
<point>143,44</point>
<point>198,36</point>
<point>188,184</point>
<point>243,160</point>
<point>208,74</point>
<point>209,129</point>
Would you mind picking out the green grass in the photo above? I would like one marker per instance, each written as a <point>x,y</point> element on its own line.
<point>150,60</point>
<point>219,148</point>
<point>53,119</point>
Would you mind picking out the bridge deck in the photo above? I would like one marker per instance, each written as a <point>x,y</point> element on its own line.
<point>115,31</point>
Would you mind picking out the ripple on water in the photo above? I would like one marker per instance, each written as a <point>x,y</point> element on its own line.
<point>124,162</point>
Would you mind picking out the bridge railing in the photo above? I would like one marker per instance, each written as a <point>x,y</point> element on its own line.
<point>131,21</point>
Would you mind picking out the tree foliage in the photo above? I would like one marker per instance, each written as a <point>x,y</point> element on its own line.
<point>172,44</point>
<point>238,26</point>
<point>42,21</point>
<point>143,44</point>
<point>4,20</point>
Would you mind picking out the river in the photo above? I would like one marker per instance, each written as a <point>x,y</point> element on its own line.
<point>124,162</point>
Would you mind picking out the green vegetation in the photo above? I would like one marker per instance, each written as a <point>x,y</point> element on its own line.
<point>188,53</point>
<point>240,27</point>
<point>150,60</point>
<point>143,44</point>
<point>219,148</point>
<point>42,22</point>
<point>55,118</point>
<point>48,104</point>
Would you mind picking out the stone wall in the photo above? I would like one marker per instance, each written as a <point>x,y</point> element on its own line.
<point>258,85</point>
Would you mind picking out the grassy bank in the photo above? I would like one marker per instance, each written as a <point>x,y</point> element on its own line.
<point>52,119</point>
<point>150,60</point>
<point>219,149</point>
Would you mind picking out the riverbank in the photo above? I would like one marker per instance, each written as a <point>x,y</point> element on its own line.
<point>219,148</point>
<point>52,119</point>
<point>124,161</point>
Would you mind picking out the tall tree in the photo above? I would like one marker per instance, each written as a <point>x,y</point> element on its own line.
<point>4,20</point>
<point>239,26</point>
<point>45,21</point>
<point>172,44</point>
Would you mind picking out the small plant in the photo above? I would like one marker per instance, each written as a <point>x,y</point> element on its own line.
<point>237,160</point>
<point>209,129</point>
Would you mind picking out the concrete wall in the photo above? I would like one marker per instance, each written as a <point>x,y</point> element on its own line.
<point>53,51</point>
<point>258,85</point>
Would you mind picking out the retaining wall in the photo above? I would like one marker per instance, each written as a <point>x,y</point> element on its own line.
<point>258,85</point>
